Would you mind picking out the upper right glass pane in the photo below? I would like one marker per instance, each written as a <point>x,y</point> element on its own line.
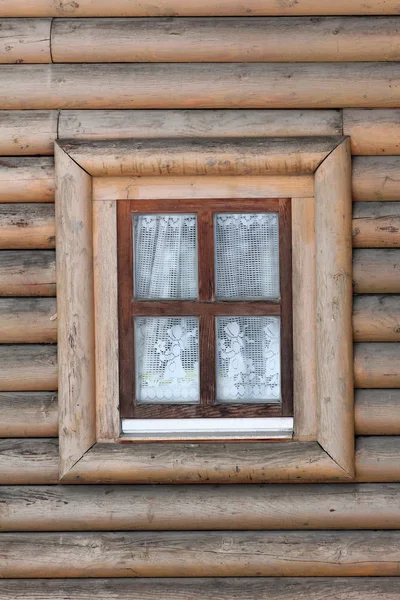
<point>246,256</point>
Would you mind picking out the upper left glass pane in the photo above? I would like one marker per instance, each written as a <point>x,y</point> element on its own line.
<point>165,257</point>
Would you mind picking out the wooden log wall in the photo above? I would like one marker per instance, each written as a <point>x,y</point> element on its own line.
<point>194,70</point>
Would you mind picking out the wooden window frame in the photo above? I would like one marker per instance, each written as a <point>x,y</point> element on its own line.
<point>206,308</point>
<point>91,177</point>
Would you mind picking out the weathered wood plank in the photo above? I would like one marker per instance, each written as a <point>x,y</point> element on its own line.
<point>376,225</point>
<point>226,588</point>
<point>28,320</point>
<point>27,132</point>
<point>198,156</point>
<point>25,41</point>
<point>377,365</point>
<point>376,178</point>
<point>26,179</point>
<point>376,271</point>
<point>373,132</point>
<point>27,273</point>
<point>205,507</point>
<point>28,368</point>
<point>200,554</point>
<point>28,414</point>
<point>376,318</point>
<point>249,39</point>
<point>125,124</point>
<point>377,412</point>
<point>174,8</point>
<point>205,85</point>
<point>199,463</point>
<point>26,226</point>
<point>28,461</point>
<point>378,458</point>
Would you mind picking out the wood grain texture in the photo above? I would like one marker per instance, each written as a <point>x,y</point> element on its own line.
<point>304,318</point>
<point>226,588</point>
<point>105,274</point>
<point>77,400</point>
<point>26,226</point>
<point>378,458</point>
<point>376,178</point>
<point>373,132</point>
<point>200,554</point>
<point>28,368</point>
<point>27,273</point>
<point>203,508</point>
<point>28,461</point>
<point>334,340</point>
<point>377,412</point>
<point>25,41</point>
<point>122,124</point>
<point>204,463</point>
<point>376,225</point>
<point>27,179</point>
<point>376,271</point>
<point>200,85</point>
<point>28,414</point>
<point>106,188</point>
<point>28,320</point>
<point>376,365</point>
<point>198,156</point>
<point>171,8</point>
<point>250,39</point>
<point>27,132</point>
<point>376,318</point>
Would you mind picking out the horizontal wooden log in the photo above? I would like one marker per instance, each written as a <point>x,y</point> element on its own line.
<point>28,461</point>
<point>24,226</point>
<point>206,85</point>
<point>376,178</point>
<point>376,225</point>
<point>25,41</point>
<point>26,179</point>
<point>27,132</point>
<point>175,8</point>
<point>28,320</point>
<point>378,458</point>
<point>122,124</point>
<point>377,412</point>
<point>376,271</point>
<point>376,318</point>
<point>200,554</point>
<point>28,368</point>
<point>27,273</point>
<point>184,186</point>
<point>197,156</point>
<point>205,507</point>
<point>373,132</point>
<point>226,588</point>
<point>249,39</point>
<point>28,414</point>
<point>377,365</point>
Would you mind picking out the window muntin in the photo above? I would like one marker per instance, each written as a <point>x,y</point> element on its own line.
<point>236,375</point>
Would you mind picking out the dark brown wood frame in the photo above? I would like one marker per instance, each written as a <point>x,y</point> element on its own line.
<point>206,308</point>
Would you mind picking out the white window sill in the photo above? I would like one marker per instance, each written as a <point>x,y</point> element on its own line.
<point>207,429</point>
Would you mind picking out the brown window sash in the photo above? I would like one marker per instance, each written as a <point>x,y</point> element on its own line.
<point>206,308</point>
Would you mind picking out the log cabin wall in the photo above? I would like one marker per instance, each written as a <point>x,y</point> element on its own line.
<point>85,70</point>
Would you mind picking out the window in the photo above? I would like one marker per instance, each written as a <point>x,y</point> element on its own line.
<point>205,310</point>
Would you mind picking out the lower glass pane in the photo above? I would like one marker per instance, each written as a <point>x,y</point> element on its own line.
<point>248,359</point>
<point>167,360</point>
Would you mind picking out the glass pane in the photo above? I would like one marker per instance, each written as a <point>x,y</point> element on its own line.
<point>248,359</point>
<point>165,256</point>
<point>247,256</point>
<point>167,359</point>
